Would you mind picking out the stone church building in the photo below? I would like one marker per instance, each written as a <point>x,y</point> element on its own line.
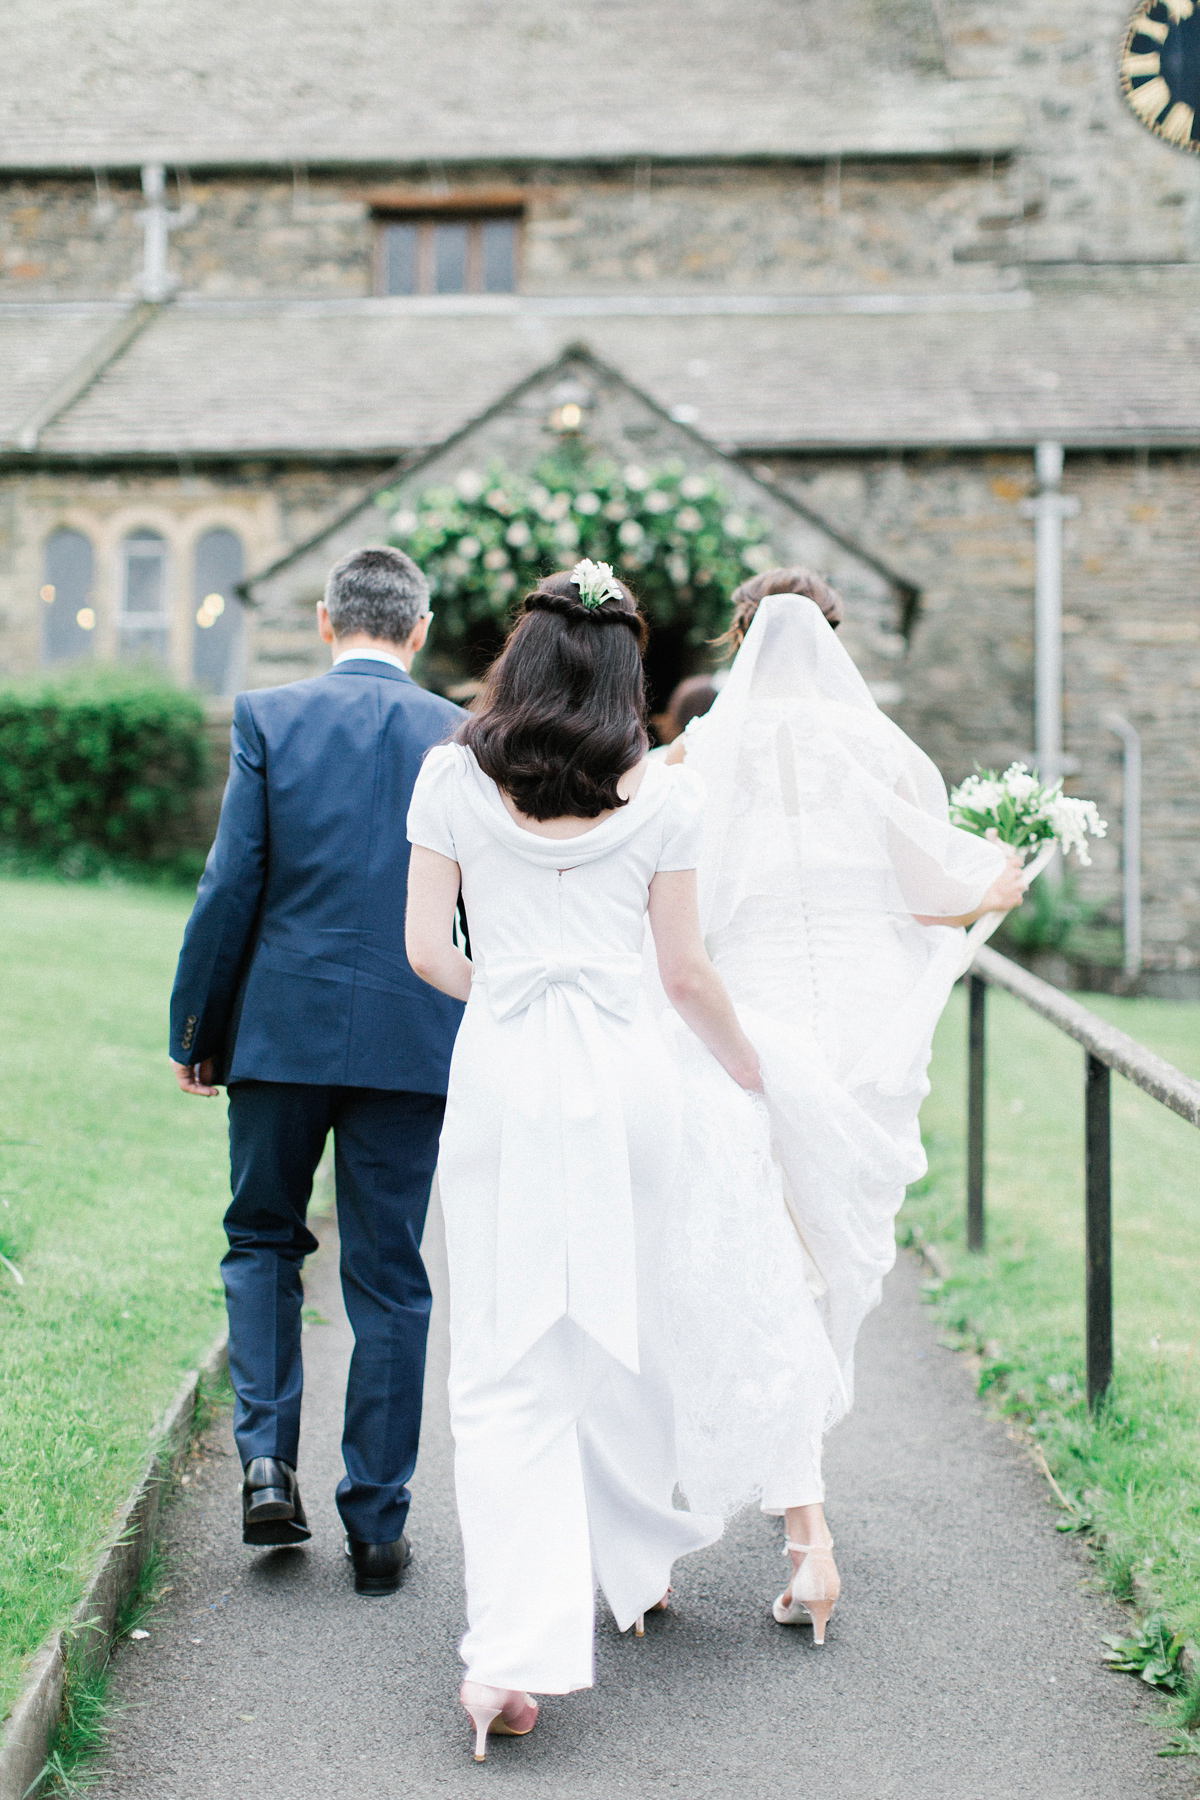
<point>918,278</point>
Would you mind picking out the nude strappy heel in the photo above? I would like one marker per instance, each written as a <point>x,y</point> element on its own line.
<point>639,1624</point>
<point>505,1712</point>
<point>814,1592</point>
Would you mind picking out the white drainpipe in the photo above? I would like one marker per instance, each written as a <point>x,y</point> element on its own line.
<point>1048,510</point>
<point>1131,840</point>
<point>156,281</point>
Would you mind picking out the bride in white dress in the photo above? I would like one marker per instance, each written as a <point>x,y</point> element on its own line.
<point>562,1134</point>
<point>833,891</point>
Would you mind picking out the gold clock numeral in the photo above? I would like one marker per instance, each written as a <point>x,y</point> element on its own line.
<point>1177,126</point>
<point>1148,101</point>
<point>1148,64</point>
<point>1158,29</point>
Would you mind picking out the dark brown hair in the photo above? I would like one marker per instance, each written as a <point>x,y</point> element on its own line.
<point>562,713</point>
<point>691,700</point>
<point>777,581</point>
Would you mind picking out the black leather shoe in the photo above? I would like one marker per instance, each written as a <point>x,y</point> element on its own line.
<point>378,1567</point>
<point>271,1509</point>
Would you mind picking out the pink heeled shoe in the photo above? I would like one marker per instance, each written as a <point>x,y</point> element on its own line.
<point>639,1624</point>
<point>814,1591</point>
<point>505,1712</point>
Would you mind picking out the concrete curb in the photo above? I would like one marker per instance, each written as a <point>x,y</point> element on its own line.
<point>88,1639</point>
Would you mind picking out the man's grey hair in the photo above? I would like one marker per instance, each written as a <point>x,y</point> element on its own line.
<point>381,592</point>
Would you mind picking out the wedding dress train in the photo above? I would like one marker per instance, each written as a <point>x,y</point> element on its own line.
<point>826,830</point>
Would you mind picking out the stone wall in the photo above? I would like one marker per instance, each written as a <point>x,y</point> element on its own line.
<point>724,228</point>
<point>60,236</point>
<point>833,229</point>
<point>1093,185</point>
<point>964,686</point>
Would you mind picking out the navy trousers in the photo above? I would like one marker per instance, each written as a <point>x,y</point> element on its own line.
<point>385,1150</point>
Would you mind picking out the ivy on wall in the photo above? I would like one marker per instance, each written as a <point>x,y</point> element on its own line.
<point>670,533</point>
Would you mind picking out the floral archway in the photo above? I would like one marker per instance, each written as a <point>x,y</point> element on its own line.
<point>672,533</point>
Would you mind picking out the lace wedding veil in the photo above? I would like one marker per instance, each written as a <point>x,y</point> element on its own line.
<point>826,830</point>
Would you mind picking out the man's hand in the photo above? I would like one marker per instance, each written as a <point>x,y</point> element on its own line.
<point>195,1078</point>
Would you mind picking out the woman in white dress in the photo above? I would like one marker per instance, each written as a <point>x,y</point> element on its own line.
<point>833,892</point>
<point>562,1134</point>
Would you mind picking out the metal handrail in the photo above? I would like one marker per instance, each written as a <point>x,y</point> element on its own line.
<point>1106,1049</point>
<point>1156,1077</point>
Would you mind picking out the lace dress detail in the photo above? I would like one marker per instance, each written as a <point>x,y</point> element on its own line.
<point>755,1379</point>
<point>826,829</point>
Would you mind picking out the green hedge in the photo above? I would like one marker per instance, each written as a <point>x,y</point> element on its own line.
<point>108,759</point>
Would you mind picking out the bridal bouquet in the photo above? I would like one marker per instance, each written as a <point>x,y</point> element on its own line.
<point>1031,818</point>
<point>1023,814</point>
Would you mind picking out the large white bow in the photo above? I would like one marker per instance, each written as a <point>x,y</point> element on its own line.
<point>565,1242</point>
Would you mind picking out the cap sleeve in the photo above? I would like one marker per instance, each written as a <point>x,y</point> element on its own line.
<point>431,813</point>
<point>683,820</point>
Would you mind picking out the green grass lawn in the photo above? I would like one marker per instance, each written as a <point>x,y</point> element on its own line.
<point>1134,1474</point>
<point>112,1186</point>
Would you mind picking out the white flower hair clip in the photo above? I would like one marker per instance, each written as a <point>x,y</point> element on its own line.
<point>596,583</point>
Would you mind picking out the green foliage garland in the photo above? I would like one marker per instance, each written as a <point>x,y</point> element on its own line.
<point>107,758</point>
<point>670,533</point>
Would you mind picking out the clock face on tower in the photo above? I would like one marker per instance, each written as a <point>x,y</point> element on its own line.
<point>1160,69</point>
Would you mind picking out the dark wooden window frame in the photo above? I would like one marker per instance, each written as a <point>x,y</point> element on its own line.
<point>428,211</point>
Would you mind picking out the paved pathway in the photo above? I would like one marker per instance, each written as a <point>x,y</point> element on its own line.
<point>962,1665</point>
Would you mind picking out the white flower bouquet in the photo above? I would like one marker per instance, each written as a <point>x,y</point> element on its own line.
<point>1017,810</point>
<point>1031,818</point>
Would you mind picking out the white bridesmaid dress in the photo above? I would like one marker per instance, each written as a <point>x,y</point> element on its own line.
<point>558,1158</point>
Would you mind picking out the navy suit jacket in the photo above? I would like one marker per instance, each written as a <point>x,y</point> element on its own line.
<point>293,965</point>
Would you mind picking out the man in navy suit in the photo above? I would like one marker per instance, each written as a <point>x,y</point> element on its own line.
<point>294,990</point>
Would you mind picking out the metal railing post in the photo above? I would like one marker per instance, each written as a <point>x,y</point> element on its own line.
<point>976,1010</point>
<point>1098,1140</point>
<point>1107,1049</point>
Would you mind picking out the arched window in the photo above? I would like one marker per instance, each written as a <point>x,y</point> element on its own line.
<point>144,622</point>
<point>216,655</point>
<point>68,614</point>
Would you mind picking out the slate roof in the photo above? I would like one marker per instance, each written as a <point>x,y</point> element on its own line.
<point>320,378</point>
<point>39,346</point>
<point>212,82</point>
